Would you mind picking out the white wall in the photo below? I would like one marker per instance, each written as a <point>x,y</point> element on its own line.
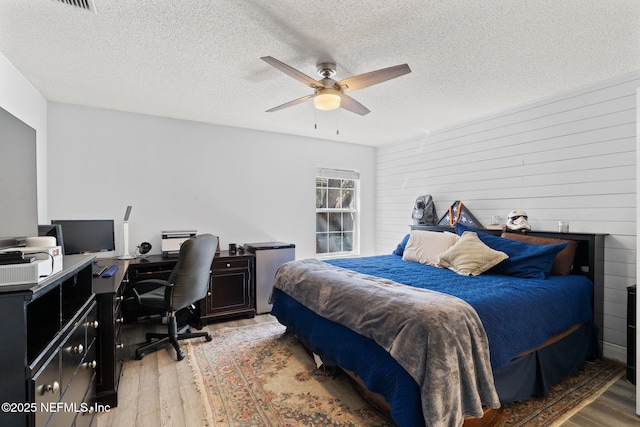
<point>20,98</point>
<point>243,185</point>
<point>569,157</point>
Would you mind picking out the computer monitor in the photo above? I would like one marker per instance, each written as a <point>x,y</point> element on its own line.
<point>87,235</point>
<point>52,230</point>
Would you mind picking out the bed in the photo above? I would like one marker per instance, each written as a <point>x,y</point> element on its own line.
<point>441,345</point>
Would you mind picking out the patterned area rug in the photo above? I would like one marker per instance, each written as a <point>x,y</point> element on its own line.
<point>259,376</point>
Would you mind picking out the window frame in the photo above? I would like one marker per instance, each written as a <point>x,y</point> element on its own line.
<point>353,210</point>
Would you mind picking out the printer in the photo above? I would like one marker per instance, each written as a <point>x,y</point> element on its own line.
<point>173,239</point>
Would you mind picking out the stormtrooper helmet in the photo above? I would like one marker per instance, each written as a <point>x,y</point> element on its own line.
<point>518,221</point>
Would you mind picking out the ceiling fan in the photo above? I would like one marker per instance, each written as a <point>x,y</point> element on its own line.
<point>330,94</point>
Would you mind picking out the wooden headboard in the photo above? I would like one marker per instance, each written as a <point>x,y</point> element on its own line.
<point>589,261</point>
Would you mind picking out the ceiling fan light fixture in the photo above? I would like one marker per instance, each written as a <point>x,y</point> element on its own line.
<point>327,99</point>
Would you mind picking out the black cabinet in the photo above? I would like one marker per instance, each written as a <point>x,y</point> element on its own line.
<point>631,334</point>
<point>231,287</point>
<point>49,357</point>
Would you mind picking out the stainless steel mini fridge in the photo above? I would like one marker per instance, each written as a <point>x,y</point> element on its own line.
<point>269,256</point>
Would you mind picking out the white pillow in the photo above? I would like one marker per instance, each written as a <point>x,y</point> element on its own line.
<point>470,256</point>
<point>426,246</point>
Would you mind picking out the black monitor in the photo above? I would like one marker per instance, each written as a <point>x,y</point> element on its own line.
<point>87,235</point>
<point>52,230</point>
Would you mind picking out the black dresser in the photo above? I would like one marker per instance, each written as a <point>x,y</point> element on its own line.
<point>48,360</point>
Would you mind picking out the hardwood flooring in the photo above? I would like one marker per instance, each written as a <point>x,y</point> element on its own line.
<point>158,391</point>
<point>615,407</point>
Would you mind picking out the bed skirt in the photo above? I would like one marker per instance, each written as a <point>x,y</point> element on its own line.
<point>529,375</point>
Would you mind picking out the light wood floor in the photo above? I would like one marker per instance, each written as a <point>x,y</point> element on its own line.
<point>158,391</point>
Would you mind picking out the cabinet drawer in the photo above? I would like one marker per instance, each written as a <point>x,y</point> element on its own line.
<point>91,327</point>
<point>230,263</point>
<point>46,387</point>
<point>85,418</point>
<point>81,382</point>
<point>72,352</point>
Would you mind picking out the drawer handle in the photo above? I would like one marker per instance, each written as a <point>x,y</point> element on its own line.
<point>93,324</point>
<point>120,320</point>
<point>53,388</point>
<point>228,265</point>
<point>90,365</point>
<point>632,326</point>
<point>209,293</point>
<point>78,349</point>
<point>119,298</point>
<point>120,346</point>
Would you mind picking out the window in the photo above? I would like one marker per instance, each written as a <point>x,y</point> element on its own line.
<point>337,200</point>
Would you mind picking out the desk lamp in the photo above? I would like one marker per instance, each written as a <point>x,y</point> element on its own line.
<point>125,230</point>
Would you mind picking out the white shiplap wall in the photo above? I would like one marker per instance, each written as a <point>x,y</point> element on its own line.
<point>570,157</point>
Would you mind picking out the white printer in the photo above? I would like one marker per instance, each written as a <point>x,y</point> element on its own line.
<point>173,239</point>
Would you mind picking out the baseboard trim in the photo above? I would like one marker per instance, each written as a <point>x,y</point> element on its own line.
<point>615,352</point>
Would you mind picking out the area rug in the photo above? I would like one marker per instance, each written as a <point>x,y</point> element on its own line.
<point>260,376</point>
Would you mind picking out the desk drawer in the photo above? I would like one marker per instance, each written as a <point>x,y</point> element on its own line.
<point>230,263</point>
<point>153,271</point>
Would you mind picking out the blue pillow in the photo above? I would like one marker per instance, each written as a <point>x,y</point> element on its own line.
<point>525,259</point>
<point>399,250</point>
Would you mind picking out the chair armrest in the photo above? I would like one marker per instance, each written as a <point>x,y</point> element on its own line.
<point>156,283</point>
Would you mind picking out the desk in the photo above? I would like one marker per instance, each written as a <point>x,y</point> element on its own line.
<point>231,293</point>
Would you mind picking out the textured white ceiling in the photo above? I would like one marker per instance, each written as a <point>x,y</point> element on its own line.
<point>200,59</point>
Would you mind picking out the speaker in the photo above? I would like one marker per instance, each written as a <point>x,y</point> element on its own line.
<point>144,248</point>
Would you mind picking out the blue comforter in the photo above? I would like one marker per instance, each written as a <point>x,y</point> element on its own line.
<point>518,314</point>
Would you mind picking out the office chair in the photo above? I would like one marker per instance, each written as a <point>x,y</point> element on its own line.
<point>187,284</point>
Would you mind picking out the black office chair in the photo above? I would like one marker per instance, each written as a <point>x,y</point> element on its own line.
<point>187,284</point>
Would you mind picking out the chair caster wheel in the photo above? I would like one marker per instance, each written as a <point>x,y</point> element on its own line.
<point>209,338</point>
<point>180,355</point>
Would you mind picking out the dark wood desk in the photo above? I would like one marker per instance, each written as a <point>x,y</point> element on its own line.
<point>231,293</point>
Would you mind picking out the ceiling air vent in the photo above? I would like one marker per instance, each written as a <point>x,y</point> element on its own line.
<point>82,4</point>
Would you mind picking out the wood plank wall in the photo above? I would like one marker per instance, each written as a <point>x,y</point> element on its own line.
<point>570,157</point>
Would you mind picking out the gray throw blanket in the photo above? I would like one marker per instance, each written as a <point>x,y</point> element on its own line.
<point>437,338</point>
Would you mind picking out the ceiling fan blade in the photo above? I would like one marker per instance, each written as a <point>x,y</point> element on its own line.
<point>373,77</point>
<point>292,72</point>
<point>291,103</point>
<point>348,103</point>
